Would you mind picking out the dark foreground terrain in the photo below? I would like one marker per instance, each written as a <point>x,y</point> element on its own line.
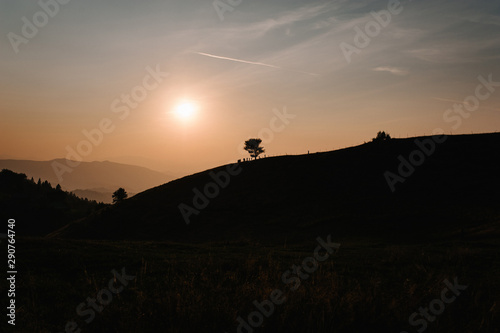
<point>363,287</point>
<point>422,258</point>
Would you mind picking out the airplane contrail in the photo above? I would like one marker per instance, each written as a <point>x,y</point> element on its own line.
<point>253,63</point>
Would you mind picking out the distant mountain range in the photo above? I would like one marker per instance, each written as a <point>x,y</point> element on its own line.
<point>447,189</point>
<point>92,180</point>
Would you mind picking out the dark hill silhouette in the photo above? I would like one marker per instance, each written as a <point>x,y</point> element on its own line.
<point>343,192</point>
<point>37,207</point>
<point>91,175</point>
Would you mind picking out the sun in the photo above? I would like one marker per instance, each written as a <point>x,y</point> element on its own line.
<point>185,110</point>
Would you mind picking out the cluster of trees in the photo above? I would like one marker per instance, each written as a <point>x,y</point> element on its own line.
<point>38,207</point>
<point>381,136</point>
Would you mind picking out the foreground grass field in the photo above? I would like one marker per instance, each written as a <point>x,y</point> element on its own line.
<point>362,287</point>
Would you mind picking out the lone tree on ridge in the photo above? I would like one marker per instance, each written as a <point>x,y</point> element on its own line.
<point>119,195</point>
<point>252,146</point>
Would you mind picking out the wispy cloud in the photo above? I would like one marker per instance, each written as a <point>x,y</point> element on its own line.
<point>392,70</point>
<point>260,28</point>
<point>448,100</point>
<point>457,50</point>
<point>253,63</point>
<point>483,19</point>
<point>300,14</point>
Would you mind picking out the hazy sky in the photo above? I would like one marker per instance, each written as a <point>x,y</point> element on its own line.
<point>261,56</point>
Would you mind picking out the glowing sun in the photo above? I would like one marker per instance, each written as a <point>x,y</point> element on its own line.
<point>185,110</point>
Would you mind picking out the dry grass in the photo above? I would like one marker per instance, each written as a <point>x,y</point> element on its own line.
<point>205,288</point>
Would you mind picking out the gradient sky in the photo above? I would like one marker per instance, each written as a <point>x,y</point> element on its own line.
<point>65,78</point>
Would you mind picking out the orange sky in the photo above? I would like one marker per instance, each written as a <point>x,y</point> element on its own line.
<point>267,57</point>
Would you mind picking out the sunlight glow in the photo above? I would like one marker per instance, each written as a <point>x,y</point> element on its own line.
<point>185,110</point>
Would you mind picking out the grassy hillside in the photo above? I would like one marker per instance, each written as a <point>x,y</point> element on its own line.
<point>344,192</point>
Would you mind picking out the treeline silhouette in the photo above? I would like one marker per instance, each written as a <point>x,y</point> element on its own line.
<point>37,207</point>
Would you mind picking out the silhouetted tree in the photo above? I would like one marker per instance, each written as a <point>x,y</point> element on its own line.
<point>46,185</point>
<point>252,146</point>
<point>58,187</point>
<point>119,195</point>
<point>382,136</point>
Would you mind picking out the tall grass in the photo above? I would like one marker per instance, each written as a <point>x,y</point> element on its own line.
<point>204,288</point>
